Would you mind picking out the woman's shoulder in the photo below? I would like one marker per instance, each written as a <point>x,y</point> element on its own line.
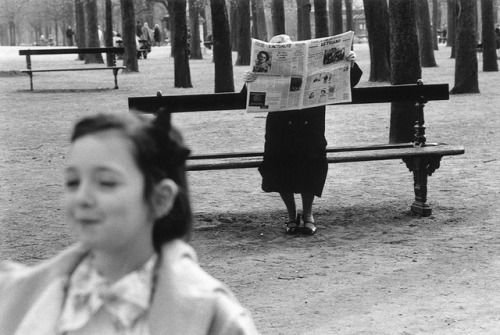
<point>62,264</point>
<point>185,285</point>
<point>180,261</point>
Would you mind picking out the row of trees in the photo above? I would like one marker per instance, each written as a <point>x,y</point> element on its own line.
<point>401,39</point>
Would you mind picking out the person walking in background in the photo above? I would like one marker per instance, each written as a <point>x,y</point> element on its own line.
<point>51,40</point>
<point>102,42</point>
<point>295,154</point>
<point>497,37</point>
<point>157,35</point>
<point>138,29</point>
<point>69,36</point>
<point>147,33</point>
<point>445,33</point>
<point>132,271</point>
<point>43,41</point>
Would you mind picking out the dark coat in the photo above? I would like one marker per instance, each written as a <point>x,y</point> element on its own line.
<point>295,149</point>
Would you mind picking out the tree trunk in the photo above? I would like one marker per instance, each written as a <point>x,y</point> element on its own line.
<point>108,34</point>
<point>254,22</point>
<point>149,13</point>
<point>349,21</point>
<point>172,28</point>
<point>435,24</point>
<point>56,28</point>
<point>92,34</point>
<point>259,17</point>
<point>278,17</point>
<point>451,15</point>
<point>194,24</point>
<point>377,24</point>
<point>128,36</point>
<point>80,26</point>
<point>303,20</point>
<point>12,32</point>
<point>182,74</point>
<point>244,39</point>
<point>224,81</point>
<point>320,18</point>
<point>488,32</point>
<point>425,38</point>
<point>337,26</point>
<point>405,66</point>
<point>466,72</point>
<point>233,23</point>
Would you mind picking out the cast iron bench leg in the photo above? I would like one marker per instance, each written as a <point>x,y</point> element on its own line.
<point>115,72</point>
<point>31,80</point>
<point>422,167</point>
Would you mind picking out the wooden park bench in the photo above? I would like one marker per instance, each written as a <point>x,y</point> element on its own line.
<point>62,51</point>
<point>421,158</point>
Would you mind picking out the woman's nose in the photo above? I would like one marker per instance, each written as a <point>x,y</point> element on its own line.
<point>84,195</point>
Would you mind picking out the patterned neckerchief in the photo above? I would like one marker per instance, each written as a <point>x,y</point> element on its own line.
<point>127,300</point>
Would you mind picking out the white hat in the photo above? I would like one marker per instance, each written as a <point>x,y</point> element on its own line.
<point>281,39</point>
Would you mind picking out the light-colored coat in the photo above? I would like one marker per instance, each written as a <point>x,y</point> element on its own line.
<point>186,301</point>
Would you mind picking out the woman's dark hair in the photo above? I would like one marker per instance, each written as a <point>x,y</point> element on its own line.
<point>159,153</point>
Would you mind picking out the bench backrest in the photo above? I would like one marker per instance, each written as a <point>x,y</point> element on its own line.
<point>229,101</point>
<point>60,51</point>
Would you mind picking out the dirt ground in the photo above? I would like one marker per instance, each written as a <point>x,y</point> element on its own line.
<point>372,268</point>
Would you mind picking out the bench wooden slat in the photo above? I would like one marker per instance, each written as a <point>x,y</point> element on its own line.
<point>328,149</point>
<point>59,51</point>
<point>341,157</point>
<point>77,69</point>
<point>237,101</point>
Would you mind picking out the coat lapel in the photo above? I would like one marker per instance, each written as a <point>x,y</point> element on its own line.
<point>183,301</point>
<point>21,288</point>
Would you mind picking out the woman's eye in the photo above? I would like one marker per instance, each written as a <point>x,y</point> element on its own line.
<point>72,183</point>
<point>108,183</point>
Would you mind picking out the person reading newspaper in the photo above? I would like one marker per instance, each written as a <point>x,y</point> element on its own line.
<point>295,153</point>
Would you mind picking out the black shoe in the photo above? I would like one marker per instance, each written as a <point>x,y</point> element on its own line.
<point>309,228</point>
<point>292,227</point>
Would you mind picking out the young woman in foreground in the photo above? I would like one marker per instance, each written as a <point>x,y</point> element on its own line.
<point>132,271</point>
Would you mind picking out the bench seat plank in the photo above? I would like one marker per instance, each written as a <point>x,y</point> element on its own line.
<point>65,51</point>
<point>337,157</point>
<point>328,149</point>
<point>76,69</point>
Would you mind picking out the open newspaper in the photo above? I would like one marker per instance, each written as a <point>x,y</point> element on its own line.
<point>300,74</point>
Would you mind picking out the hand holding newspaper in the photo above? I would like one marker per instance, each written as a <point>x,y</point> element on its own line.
<point>300,74</point>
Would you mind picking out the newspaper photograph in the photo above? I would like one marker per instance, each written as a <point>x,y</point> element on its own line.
<point>300,74</point>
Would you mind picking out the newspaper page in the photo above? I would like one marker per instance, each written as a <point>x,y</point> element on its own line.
<point>300,74</point>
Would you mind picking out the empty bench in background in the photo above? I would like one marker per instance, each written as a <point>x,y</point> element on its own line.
<point>62,51</point>
<point>421,158</point>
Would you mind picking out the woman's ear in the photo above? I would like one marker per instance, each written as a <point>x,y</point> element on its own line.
<point>164,197</point>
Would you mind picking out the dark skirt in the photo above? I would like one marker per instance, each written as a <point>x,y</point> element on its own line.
<point>294,152</point>
<point>295,149</point>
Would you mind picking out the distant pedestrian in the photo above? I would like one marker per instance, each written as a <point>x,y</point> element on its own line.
<point>138,28</point>
<point>445,32</point>
<point>43,41</point>
<point>497,37</point>
<point>102,43</point>
<point>156,35</point>
<point>69,36</point>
